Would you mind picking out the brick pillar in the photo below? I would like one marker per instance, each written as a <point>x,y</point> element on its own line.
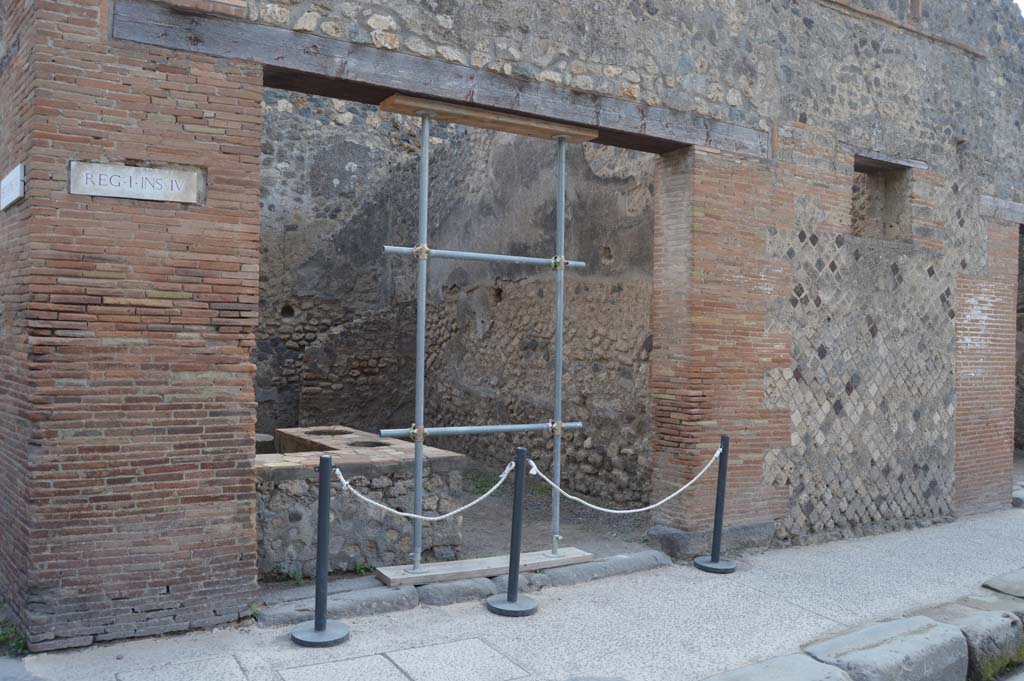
<point>712,281</point>
<point>137,514</point>
<point>986,334</point>
<point>16,425</point>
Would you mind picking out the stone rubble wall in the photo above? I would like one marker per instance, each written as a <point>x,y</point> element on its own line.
<point>361,536</point>
<point>758,64</point>
<point>882,304</point>
<point>335,343</point>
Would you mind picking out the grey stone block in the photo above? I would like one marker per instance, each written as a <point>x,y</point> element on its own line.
<point>788,668</point>
<point>910,649</point>
<point>60,643</point>
<point>446,593</point>
<point>339,606</point>
<point>308,591</point>
<point>607,567</point>
<point>993,600</point>
<point>685,544</point>
<point>1011,583</point>
<point>994,639</point>
<point>995,643</point>
<point>529,582</point>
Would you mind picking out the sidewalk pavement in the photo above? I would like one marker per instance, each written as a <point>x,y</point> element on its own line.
<point>672,623</point>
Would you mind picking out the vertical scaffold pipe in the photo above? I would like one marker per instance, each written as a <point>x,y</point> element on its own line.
<point>421,337</point>
<point>556,459</point>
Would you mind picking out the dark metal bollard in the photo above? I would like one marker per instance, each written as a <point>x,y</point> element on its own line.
<point>715,563</point>
<point>321,632</point>
<point>512,603</point>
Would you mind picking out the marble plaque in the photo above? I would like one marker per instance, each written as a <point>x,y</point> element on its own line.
<point>181,185</point>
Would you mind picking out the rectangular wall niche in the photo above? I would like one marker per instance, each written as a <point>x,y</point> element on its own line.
<point>881,200</point>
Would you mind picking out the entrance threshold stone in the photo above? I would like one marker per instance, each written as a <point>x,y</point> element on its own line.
<point>491,566</point>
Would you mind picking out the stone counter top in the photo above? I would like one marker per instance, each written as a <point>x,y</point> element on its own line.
<point>361,536</point>
<point>355,452</point>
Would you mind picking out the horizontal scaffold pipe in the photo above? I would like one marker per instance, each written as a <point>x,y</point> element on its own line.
<point>484,257</point>
<point>480,430</point>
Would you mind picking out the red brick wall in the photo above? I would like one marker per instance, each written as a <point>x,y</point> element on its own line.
<point>712,280</point>
<point>715,288</point>
<point>985,376</point>
<point>15,391</point>
<point>140,316</point>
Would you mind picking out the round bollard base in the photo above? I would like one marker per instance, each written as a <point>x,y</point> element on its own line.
<point>500,605</point>
<point>306,634</point>
<point>722,567</point>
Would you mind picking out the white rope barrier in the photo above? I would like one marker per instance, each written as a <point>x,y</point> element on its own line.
<point>345,484</point>
<point>534,470</point>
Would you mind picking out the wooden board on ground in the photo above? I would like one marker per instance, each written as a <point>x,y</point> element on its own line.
<point>484,118</point>
<point>492,566</point>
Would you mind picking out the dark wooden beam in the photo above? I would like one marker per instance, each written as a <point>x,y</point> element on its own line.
<point>335,68</point>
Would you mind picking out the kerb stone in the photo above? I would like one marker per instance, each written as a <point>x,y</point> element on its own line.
<point>910,649</point>
<point>446,593</point>
<point>1012,583</point>
<point>788,668</point>
<point>607,567</point>
<point>994,639</point>
<point>339,606</point>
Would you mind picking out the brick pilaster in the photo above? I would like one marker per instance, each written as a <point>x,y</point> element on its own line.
<point>138,507</point>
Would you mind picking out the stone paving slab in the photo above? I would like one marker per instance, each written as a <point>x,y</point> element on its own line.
<point>370,668</point>
<point>470,660</point>
<point>219,668</point>
<point>12,669</point>
<point>255,667</point>
<point>788,668</point>
<point>843,580</point>
<point>1011,583</point>
<point>909,649</point>
<point>672,623</point>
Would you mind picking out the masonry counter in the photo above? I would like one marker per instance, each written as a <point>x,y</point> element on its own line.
<point>361,536</point>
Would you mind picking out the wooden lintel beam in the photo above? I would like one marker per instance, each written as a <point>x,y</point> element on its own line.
<point>484,118</point>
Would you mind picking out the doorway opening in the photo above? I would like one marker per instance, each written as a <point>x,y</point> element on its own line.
<point>335,340</point>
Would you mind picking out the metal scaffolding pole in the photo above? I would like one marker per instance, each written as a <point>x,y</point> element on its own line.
<point>422,252</point>
<point>421,337</point>
<point>556,459</point>
<point>480,430</point>
<point>484,257</point>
